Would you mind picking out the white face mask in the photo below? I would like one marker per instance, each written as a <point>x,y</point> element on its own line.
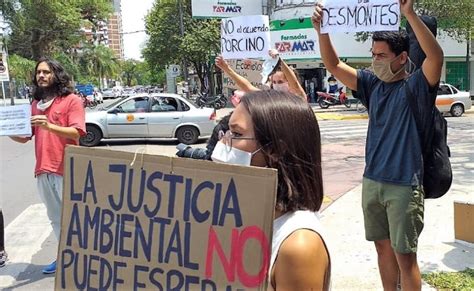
<point>281,87</point>
<point>234,156</point>
<point>41,105</point>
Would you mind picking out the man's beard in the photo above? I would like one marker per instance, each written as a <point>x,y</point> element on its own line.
<point>42,93</point>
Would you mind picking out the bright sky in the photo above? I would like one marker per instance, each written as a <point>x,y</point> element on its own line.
<point>133,19</point>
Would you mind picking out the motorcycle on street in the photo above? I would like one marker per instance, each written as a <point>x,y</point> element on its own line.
<point>328,99</point>
<point>88,101</point>
<point>217,102</point>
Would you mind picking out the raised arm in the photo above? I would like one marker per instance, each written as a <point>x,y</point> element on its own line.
<point>241,82</point>
<point>293,83</point>
<point>344,73</point>
<point>433,63</point>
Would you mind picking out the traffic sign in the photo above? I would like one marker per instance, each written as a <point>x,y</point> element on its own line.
<point>4,77</point>
<point>173,71</point>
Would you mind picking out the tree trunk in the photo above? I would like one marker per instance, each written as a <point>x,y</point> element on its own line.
<point>36,45</point>
<point>200,73</point>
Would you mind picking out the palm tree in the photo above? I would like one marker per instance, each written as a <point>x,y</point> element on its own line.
<point>69,64</point>
<point>100,61</point>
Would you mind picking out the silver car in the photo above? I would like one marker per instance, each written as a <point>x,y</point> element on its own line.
<point>109,93</point>
<point>452,100</point>
<point>149,116</point>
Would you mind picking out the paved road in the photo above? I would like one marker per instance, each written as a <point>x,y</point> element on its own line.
<point>29,238</point>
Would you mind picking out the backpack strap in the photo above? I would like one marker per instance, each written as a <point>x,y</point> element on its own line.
<point>412,105</point>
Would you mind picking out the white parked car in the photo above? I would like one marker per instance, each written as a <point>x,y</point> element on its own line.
<point>109,93</point>
<point>149,116</point>
<point>453,100</point>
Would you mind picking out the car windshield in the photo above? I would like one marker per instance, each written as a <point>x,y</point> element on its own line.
<point>111,105</point>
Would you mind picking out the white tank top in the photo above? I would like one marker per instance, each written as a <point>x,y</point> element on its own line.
<point>288,223</point>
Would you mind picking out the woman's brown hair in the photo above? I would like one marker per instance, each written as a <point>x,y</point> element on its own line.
<point>286,127</point>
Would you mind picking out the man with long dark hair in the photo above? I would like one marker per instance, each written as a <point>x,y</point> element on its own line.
<point>58,119</point>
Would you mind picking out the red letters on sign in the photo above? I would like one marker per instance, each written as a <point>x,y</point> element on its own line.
<point>236,255</point>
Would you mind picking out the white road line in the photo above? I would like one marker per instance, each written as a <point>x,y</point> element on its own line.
<point>23,239</point>
<point>346,131</point>
<point>363,126</point>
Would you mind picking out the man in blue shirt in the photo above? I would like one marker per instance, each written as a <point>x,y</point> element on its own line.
<point>332,85</point>
<point>392,194</point>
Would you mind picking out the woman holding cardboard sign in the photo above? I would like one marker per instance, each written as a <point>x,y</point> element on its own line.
<point>280,75</point>
<point>279,130</point>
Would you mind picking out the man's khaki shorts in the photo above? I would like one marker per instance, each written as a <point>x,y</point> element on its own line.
<point>393,212</point>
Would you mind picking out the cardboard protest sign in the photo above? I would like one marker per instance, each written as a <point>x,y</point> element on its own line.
<point>15,120</point>
<point>360,15</point>
<point>164,223</point>
<point>245,37</point>
<point>249,69</point>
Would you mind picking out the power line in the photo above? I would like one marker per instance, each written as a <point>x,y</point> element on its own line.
<point>131,32</point>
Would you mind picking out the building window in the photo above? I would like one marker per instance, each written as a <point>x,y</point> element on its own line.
<point>456,74</point>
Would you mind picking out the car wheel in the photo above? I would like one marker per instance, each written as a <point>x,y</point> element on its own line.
<point>92,137</point>
<point>187,135</point>
<point>217,105</point>
<point>199,102</point>
<point>223,102</point>
<point>457,110</point>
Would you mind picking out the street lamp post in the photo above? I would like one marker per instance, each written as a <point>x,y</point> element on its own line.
<point>185,63</point>
<point>3,46</point>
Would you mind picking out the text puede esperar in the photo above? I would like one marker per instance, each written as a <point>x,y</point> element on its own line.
<point>132,228</point>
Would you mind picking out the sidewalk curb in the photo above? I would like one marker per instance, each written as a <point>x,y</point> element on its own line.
<point>353,257</point>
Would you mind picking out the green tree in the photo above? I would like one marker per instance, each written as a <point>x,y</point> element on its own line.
<point>166,46</point>
<point>129,71</point>
<point>454,17</point>
<point>99,61</point>
<point>146,75</point>
<point>43,27</point>
<point>21,68</point>
<point>70,64</point>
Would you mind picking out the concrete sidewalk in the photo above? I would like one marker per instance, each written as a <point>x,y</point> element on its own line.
<point>18,101</point>
<point>354,260</point>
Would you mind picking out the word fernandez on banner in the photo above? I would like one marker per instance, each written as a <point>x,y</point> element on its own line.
<point>360,15</point>
<point>245,37</point>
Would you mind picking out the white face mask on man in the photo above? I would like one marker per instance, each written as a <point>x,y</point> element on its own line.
<point>234,156</point>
